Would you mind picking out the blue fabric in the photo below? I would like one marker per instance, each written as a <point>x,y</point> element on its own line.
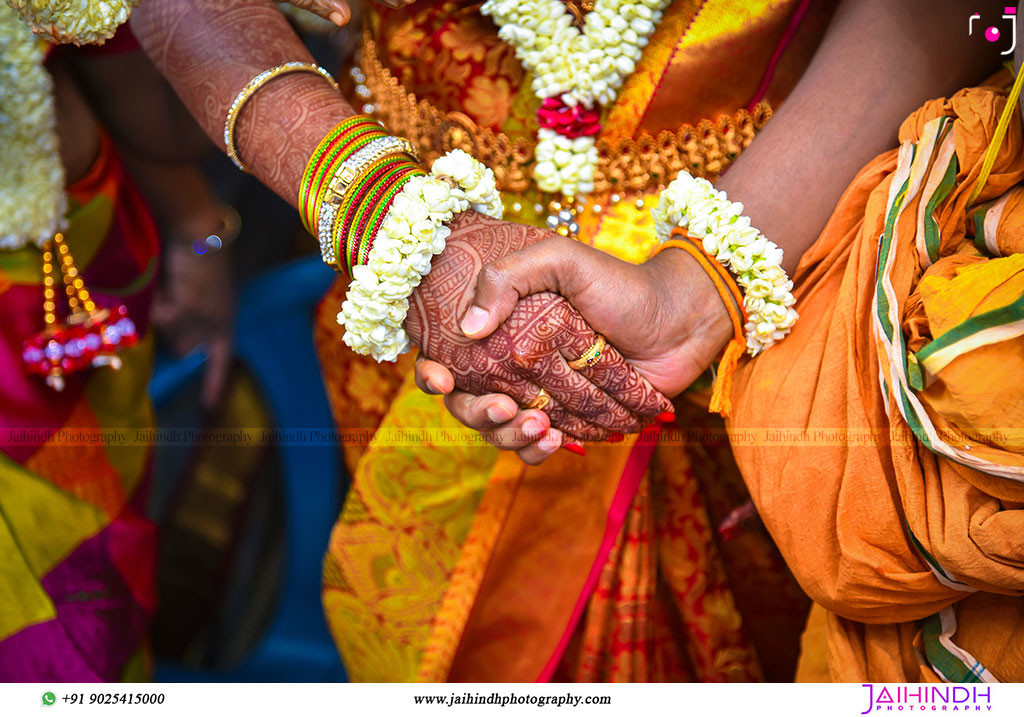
<point>274,339</point>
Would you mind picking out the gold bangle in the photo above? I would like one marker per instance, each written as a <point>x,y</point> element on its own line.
<point>591,356</point>
<point>250,89</point>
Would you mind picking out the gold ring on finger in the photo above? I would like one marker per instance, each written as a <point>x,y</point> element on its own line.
<point>591,356</point>
<point>539,402</point>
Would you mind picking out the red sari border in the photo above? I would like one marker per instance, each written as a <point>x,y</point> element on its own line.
<point>637,463</point>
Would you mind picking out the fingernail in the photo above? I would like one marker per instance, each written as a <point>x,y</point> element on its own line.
<point>574,447</point>
<point>615,438</point>
<point>341,14</point>
<point>474,320</point>
<point>550,441</point>
<point>666,417</point>
<point>499,414</point>
<point>533,427</point>
<point>730,532</point>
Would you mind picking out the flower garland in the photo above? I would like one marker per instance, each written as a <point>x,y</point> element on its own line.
<point>708,215</point>
<point>32,200</point>
<point>32,197</point>
<point>74,21</point>
<point>573,70</point>
<point>413,233</point>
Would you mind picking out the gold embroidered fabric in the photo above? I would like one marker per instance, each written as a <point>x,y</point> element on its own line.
<point>642,162</point>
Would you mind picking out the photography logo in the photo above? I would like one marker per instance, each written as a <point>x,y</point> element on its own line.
<point>993,33</point>
<point>928,698</point>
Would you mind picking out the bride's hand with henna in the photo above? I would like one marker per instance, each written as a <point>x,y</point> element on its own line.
<point>665,318</point>
<point>530,350</point>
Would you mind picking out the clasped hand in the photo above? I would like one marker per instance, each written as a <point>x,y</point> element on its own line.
<point>506,307</point>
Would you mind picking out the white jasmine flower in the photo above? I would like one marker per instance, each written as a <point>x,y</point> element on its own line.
<point>725,233</point>
<point>413,232</point>
<point>582,66</point>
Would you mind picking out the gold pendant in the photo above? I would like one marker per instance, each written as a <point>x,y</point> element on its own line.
<point>89,336</point>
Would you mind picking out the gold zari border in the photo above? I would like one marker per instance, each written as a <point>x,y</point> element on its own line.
<point>633,165</point>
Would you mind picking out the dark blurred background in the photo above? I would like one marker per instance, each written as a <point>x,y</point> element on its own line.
<point>244,516</point>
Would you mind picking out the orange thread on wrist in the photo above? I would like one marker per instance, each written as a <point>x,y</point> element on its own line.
<point>729,293</point>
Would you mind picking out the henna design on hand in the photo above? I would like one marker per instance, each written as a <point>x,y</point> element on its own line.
<point>613,373</point>
<point>209,50</point>
<point>528,351</point>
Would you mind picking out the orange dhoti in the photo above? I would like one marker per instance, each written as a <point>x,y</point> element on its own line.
<point>899,508</point>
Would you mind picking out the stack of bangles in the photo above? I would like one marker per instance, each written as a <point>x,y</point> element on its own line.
<point>381,218</point>
<point>377,214</point>
<point>745,267</point>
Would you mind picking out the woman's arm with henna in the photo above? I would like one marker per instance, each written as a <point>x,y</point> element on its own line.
<point>209,50</point>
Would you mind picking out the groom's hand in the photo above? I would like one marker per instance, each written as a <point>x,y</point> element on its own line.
<point>664,316</point>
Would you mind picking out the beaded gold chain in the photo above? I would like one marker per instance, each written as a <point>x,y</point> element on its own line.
<point>627,170</point>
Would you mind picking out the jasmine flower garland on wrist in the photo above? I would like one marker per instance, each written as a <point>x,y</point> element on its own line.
<point>707,215</point>
<point>413,233</point>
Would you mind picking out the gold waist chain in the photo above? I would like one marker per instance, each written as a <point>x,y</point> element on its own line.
<point>637,165</point>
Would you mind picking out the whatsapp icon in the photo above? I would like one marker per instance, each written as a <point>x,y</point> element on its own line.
<point>49,698</point>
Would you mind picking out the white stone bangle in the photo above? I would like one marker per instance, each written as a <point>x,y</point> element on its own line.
<point>250,89</point>
<point>343,177</point>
